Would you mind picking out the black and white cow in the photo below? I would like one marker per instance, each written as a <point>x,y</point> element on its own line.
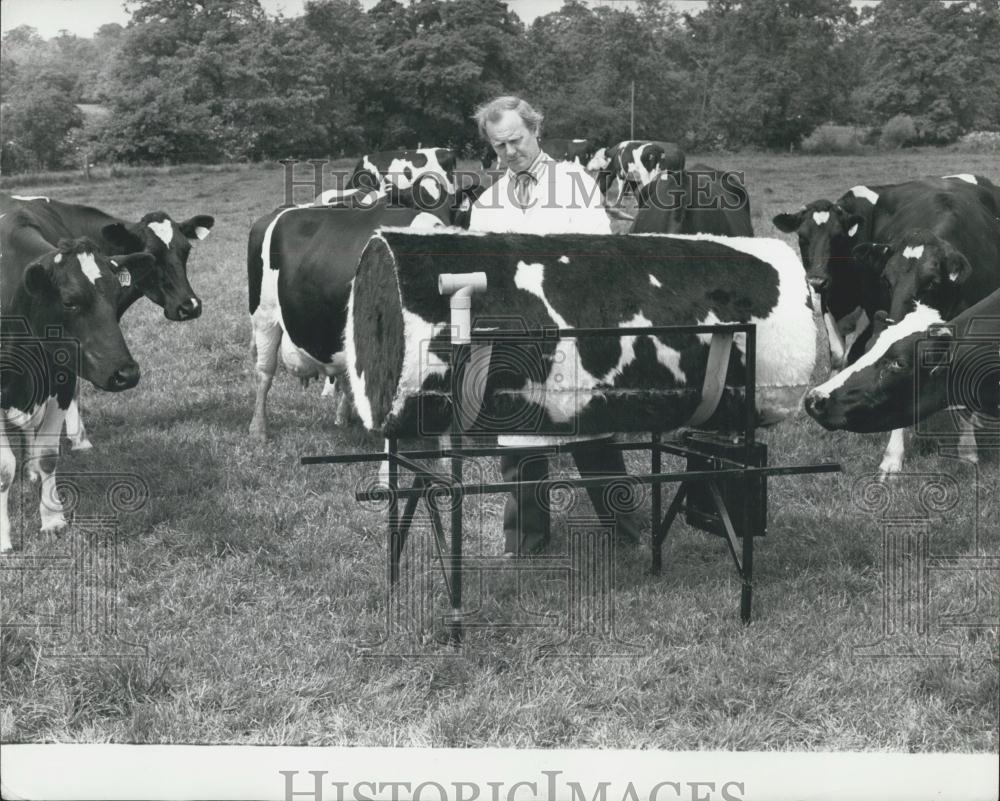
<point>635,163</point>
<point>918,367</point>
<point>60,320</point>
<point>580,151</point>
<point>946,267</point>
<point>167,241</point>
<point>849,293</point>
<point>701,200</point>
<point>402,167</point>
<point>300,264</point>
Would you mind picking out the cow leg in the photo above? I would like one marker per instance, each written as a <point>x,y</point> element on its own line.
<point>334,387</point>
<point>861,324</point>
<point>892,460</point>
<point>338,386</point>
<point>8,469</point>
<point>43,456</point>
<point>967,439</point>
<point>837,352</point>
<point>75,432</point>
<point>342,414</point>
<point>264,351</point>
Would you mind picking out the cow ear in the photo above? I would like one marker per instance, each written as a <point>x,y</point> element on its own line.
<point>198,227</point>
<point>958,267</point>
<point>788,223</point>
<point>135,268</point>
<point>36,279</point>
<point>122,239</point>
<point>872,254</point>
<point>854,222</point>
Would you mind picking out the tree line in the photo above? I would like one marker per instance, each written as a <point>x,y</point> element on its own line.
<point>220,80</point>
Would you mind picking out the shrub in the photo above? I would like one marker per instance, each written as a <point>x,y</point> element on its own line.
<point>900,131</point>
<point>833,139</point>
<point>979,142</point>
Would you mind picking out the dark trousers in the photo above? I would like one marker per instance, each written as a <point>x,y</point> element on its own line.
<point>526,514</point>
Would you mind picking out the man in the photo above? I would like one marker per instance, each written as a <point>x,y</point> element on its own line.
<point>538,195</point>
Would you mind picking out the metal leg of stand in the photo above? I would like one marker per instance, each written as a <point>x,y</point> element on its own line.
<point>395,546</point>
<point>744,566</point>
<point>727,524</point>
<point>746,592</point>
<point>656,503</point>
<point>455,622</point>
<point>664,528</point>
<point>402,528</point>
<point>441,544</point>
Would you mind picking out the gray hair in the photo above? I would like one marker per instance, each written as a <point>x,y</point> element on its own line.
<point>492,111</point>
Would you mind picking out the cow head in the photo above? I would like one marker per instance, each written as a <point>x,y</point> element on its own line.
<point>826,233</point>
<point>75,290</point>
<point>919,268</point>
<point>429,194</point>
<point>876,393</point>
<point>599,160</point>
<point>170,245</point>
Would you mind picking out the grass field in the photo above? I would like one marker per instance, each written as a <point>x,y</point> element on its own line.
<point>243,589</point>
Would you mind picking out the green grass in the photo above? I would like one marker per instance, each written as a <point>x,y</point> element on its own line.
<point>250,581</point>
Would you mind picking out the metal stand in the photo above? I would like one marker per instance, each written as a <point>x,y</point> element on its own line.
<point>723,491</point>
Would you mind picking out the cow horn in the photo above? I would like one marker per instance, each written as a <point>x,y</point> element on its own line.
<point>618,214</point>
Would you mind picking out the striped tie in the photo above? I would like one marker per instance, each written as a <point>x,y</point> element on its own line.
<point>523,183</point>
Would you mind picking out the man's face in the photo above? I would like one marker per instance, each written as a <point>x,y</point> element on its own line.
<point>516,146</point>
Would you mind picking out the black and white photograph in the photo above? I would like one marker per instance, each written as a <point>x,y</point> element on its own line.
<point>540,400</point>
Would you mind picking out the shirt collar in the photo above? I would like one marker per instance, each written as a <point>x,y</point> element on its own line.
<point>536,168</point>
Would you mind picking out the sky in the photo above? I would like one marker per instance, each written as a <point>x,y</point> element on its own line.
<point>83,17</point>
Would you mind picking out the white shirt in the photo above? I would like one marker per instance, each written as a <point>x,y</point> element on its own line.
<point>565,200</point>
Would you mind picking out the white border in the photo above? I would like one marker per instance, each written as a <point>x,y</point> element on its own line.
<point>248,773</point>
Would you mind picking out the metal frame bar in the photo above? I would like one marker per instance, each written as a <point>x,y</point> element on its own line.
<point>453,487</point>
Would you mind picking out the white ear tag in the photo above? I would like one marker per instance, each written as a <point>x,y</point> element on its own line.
<point>853,230</point>
<point>124,277</point>
<point>952,276</point>
<point>466,204</point>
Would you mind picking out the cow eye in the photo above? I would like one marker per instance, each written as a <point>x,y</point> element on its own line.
<point>70,306</point>
<point>897,365</point>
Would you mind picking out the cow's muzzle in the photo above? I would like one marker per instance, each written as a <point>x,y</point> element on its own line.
<point>123,378</point>
<point>189,309</point>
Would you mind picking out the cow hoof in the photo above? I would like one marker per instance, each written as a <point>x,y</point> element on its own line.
<point>969,456</point>
<point>888,469</point>
<point>258,433</point>
<point>57,525</point>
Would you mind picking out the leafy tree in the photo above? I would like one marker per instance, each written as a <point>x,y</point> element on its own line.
<point>38,121</point>
<point>762,68</point>
<point>213,79</point>
<point>936,62</point>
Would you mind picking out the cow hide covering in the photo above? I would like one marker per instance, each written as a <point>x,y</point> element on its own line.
<point>397,336</point>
